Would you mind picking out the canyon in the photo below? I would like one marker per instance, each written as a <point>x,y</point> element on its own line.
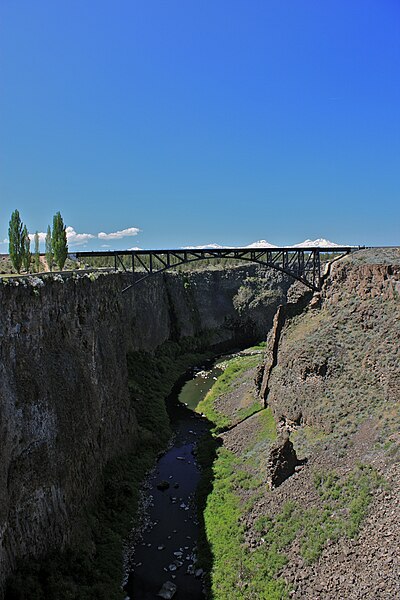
<point>328,381</point>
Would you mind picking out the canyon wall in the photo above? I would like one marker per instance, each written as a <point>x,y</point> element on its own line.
<point>332,379</point>
<point>65,410</point>
<point>336,360</point>
<point>316,524</point>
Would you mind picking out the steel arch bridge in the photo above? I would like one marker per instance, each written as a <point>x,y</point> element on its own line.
<point>303,264</point>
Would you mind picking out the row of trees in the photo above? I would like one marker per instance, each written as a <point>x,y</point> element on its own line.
<point>20,244</point>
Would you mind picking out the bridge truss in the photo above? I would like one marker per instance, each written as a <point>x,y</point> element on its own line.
<point>303,264</point>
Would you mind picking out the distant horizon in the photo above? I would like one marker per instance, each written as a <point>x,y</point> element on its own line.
<point>306,244</point>
<point>93,243</point>
<point>128,239</point>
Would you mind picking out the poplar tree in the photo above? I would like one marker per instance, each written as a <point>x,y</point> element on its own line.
<point>59,241</point>
<point>26,249</point>
<point>37,253</point>
<point>15,236</point>
<point>49,249</point>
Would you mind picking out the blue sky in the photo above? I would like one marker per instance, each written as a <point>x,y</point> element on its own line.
<point>196,122</point>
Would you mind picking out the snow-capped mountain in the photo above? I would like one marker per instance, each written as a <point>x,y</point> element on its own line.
<point>205,247</point>
<point>319,243</point>
<point>261,244</point>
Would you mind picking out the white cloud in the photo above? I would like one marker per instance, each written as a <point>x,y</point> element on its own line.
<point>73,238</point>
<point>76,239</point>
<point>42,236</point>
<point>118,235</point>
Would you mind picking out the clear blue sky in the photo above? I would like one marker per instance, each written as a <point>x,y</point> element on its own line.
<point>214,121</point>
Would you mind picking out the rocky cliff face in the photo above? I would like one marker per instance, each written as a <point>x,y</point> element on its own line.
<point>64,404</point>
<point>64,409</point>
<point>332,379</point>
<point>232,305</point>
<point>341,356</point>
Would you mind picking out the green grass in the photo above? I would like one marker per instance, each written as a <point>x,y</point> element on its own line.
<point>224,384</point>
<point>246,412</point>
<point>236,573</point>
<point>344,503</point>
<point>268,426</point>
<point>230,487</point>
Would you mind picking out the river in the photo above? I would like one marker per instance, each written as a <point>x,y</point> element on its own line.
<point>167,548</point>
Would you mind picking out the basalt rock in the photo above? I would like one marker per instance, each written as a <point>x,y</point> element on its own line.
<point>162,485</point>
<point>326,363</point>
<point>282,461</point>
<point>167,591</point>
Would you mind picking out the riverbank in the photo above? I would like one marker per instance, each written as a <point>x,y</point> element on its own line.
<point>331,383</point>
<point>254,534</point>
<point>163,550</point>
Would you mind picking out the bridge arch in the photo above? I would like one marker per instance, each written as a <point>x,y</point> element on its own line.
<point>303,264</point>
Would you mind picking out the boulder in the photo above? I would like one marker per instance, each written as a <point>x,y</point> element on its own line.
<point>282,460</point>
<point>167,591</point>
<point>163,485</point>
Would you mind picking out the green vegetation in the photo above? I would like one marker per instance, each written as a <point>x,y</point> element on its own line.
<point>232,484</point>
<point>267,426</point>
<point>344,502</point>
<point>228,486</point>
<point>16,240</point>
<point>235,571</point>
<point>26,249</point>
<point>59,241</point>
<point>37,252</point>
<point>253,294</point>
<point>224,384</point>
<point>351,495</point>
<point>49,249</point>
<point>20,246</point>
<point>240,573</point>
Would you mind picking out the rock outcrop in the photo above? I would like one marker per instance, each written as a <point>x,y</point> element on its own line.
<point>282,461</point>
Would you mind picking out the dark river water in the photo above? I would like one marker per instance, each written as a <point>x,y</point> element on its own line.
<point>167,549</point>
